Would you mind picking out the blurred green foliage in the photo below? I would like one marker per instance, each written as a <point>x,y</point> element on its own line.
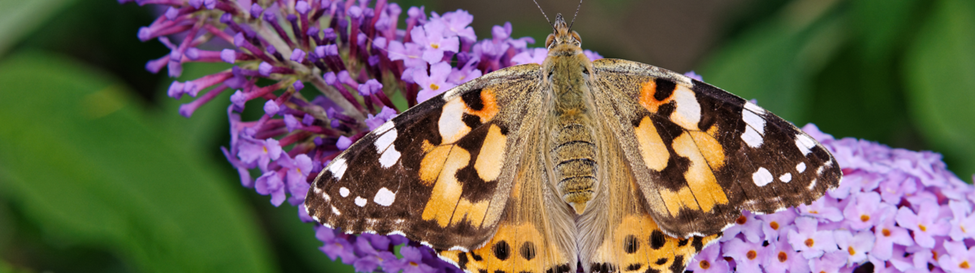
<point>98,172</point>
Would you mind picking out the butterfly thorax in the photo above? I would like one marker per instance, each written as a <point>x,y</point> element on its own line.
<point>572,147</point>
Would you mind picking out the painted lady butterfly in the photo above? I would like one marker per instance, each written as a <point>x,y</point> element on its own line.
<point>614,165</point>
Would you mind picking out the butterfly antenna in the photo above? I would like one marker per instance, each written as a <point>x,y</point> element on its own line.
<point>543,14</point>
<point>574,15</point>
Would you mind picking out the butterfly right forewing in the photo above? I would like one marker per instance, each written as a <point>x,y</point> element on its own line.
<point>701,155</point>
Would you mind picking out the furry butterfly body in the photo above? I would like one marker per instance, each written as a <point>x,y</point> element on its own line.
<point>615,165</point>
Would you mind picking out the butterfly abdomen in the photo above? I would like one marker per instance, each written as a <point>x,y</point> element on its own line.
<point>573,145</point>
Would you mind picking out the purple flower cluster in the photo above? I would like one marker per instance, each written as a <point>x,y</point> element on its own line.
<point>897,210</point>
<point>357,58</point>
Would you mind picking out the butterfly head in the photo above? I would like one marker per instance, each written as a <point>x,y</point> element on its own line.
<point>562,36</point>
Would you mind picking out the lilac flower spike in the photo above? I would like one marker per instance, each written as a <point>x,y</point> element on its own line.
<point>898,210</point>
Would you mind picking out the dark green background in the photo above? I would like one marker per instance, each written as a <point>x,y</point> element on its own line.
<point>98,172</point>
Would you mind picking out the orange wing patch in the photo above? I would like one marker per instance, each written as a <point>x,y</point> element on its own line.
<point>658,93</point>
<point>482,104</point>
<point>652,147</point>
<point>491,157</point>
<point>638,244</point>
<point>705,155</point>
<point>514,248</point>
<point>447,190</point>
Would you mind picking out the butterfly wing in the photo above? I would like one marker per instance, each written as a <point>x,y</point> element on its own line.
<point>700,155</point>
<point>439,173</point>
<point>617,232</point>
<point>537,230</point>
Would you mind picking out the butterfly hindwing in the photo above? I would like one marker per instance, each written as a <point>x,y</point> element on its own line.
<point>700,155</point>
<point>436,172</point>
<point>617,233</point>
<point>536,233</point>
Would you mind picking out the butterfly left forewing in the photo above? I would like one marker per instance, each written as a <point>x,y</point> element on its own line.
<point>700,155</point>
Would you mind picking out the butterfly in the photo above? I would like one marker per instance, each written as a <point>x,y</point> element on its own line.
<point>611,165</point>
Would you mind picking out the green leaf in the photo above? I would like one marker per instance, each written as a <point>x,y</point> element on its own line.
<point>82,161</point>
<point>775,61</point>
<point>880,23</point>
<point>941,75</point>
<point>18,18</point>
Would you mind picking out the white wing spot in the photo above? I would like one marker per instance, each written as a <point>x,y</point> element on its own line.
<point>385,140</point>
<point>754,120</point>
<point>755,129</point>
<point>384,197</point>
<point>786,177</point>
<point>805,143</point>
<point>385,127</point>
<point>801,167</point>
<point>762,177</point>
<point>359,201</point>
<point>819,171</point>
<point>752,137</point>
<point>688,110</point>
<point>384,145</point>
<point>336,211</point>
<point>326,197</point>
<point>754,108</point>
<point>337,167</point>
<point>812,184</point>
<point>389,157</point>
<point>450,123</point>
<point>344,191</point>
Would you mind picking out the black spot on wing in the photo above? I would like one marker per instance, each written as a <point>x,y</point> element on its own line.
<point>631,244</point>
<point>697,243</point>
<point>471,121</point>
<point>664,110</point>
<point>634,267</point>
<point>602,268</point>
<point>474,188</point>
<point>664,89</point>
<point>563,268</point>
<point>657,239</point>
<point>473,99</point>
<point>501,250</point>
<point>462,260</point>
<point>678,265</point>
<point>528,251</point>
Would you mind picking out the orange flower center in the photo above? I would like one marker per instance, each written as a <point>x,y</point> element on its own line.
<point>435,46</point>
<point>774,225</point>
<point>704,265</point>
<point>964,265</point>
<point>922,227</point>
<point>885,232</point>
<point>751,254</point>
<point>864,218</point>
<point>434,86</point>
<point>783,256</point>
<point>852,251</point>
<point>809,242</point>
<point>741,220</point>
